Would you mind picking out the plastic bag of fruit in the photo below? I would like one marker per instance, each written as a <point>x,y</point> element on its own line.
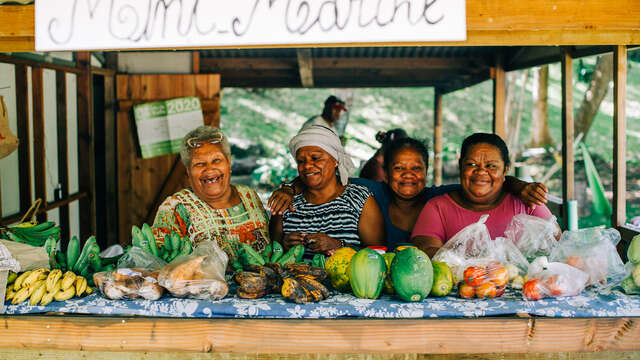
<point>199,275</point>
<point>532,235</point>
<point>140,259</point>
<point>505,251</point>
<point>128,283</point>
<point>553,279</point>
<point>484,280</point>
<point>592,250</point>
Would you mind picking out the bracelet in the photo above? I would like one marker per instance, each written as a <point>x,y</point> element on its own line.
<point>288,185</point>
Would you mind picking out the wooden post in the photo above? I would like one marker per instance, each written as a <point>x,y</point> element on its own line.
<point>568,157</point>
<point>63,160</point>
<point>86,158</point>
<point>195,62</point>
<point>305,67</point>
<point>24,149</point>
<point>39,149</point>
<point>619,135</point>
<point>499,99</point>
<point>437,138</point>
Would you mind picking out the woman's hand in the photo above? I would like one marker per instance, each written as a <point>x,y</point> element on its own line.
<point>533,194</point>
<point>292,239</point>
<point>280,201</point>
<point>321,243</point>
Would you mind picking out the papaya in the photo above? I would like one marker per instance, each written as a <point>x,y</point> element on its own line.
<point>412,274</point>
<point>633,252</point>
<point>442,279</point>
<point>388,283</point>
<point>367,272</point>
<point>337,266</point>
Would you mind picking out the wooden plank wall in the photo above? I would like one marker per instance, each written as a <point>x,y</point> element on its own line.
<point>142,181</point>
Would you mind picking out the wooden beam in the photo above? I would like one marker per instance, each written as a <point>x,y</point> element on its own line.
<point>39,141</point>
<point>195,62</point>
<point>276,336</point>
<point>619,135</point>
<point>43,209</point>
<point>568,136</point>
<point>63,159</point>
<point>499,98</point>
<point>437,138</point>
<point>86,156</point>
<point>20,61</point>
<point>24,149</point>
<point>305,67</point>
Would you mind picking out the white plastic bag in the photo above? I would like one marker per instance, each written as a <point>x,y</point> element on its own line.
<point>553,279</point>
<point>592,250</point>
<point>199,275</point>
<point>128,283</point>
<point>532,235</point>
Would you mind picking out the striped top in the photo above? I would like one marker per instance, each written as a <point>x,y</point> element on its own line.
<point>337,218</point>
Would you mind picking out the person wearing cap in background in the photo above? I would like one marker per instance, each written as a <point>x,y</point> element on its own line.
<point>333,108</point>
<point>373,169</point>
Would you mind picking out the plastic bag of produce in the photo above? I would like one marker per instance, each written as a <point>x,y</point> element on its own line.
<point>140,259</point>
<point>128,283</point>
<point>532,235</point>
<point>506,252</point>
<point>631,283</point>
<point>592,250</point>
<point>553,279</point>
<point>199,275</point>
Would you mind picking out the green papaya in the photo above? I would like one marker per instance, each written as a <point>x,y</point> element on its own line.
<point>633,253</point>
<point>442,279</point>
<point>412,274</point>
<point>367,272</point>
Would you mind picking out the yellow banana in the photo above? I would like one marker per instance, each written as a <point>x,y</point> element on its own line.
<point>37,295</point>
<point>17,285</point>
<point>20,296</point>
<point>35,275</point>
<point>11,277</point>
<point>89,290</point>
<point>34,286</point>
<point>63,295</point>
<point>81,285</point>
<point>68,279</point>
<point>48,298</point>
<point>56,287</point>
<point>53,278</point>
<point>9,295</point>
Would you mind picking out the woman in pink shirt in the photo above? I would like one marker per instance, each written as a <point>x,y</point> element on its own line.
<point>484,163</point>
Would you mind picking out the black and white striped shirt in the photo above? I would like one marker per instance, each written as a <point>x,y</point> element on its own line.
<point>338,218</point>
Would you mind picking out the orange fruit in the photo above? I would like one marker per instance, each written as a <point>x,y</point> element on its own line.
<point>499,276</point>
<point>486,290</point>
<point>466,291</point>
<point>575,261</point>
<point>554,286</point>
<point>474,275</point>
<point>532,290</point>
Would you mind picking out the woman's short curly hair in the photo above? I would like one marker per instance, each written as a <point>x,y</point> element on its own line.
<point>203,133</point>
<point>398,144</point>
<point>485,138</point>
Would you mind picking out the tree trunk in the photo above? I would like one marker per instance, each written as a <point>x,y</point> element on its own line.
<point>598,88</point>
<point>540,135</point>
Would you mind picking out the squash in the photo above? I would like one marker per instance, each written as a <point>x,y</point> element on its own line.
<point>337,266</point>
<point>412,274</point>
<point>367,272</point>
<point>388,283</point>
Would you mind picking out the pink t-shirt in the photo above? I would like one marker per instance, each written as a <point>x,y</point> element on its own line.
<point>442,217</point>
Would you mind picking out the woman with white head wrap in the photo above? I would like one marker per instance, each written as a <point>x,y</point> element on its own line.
<point>331,212</point>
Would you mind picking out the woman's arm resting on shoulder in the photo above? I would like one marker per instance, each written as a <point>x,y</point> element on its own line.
<point>430,245</point>
<point>371,224</point>
<point>532,194</point>
<point>282,198</point>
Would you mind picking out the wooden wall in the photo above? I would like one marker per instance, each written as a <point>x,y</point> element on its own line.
<point>144,183</point>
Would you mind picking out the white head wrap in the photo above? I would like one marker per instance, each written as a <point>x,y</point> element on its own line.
<point>327,140</point>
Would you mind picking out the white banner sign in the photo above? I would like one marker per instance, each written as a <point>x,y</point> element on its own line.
<point>125,24</point>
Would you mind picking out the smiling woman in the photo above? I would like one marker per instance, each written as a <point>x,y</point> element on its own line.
<point>484,163</point>
<point>213,208</point>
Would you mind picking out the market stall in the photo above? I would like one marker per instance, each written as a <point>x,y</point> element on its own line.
<point>592,321</point>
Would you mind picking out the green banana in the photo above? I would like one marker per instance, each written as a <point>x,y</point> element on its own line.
<point>50,244</point>
<point>176,241</point>
<point>83,260</point>
<point>168,243</point>
<point>151,240</point>
<point>73,251</point>
<point>277,251</point>
<point>138,239</point>
<point>61,260</point>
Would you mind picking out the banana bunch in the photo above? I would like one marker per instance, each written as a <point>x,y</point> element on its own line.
<point>83,262</point>
<point>172,247</point>
<point>32,233</point>
<point>43,286</point>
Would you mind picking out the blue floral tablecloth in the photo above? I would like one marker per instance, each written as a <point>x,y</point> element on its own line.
<point>587,304</point>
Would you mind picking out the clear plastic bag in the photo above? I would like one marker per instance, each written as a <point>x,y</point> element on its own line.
<point>592,250</point>
<point>140,259</point>
<point>553,279</point>
<point>199,275</point>
<point>532,235</point>
<point>128,283</point>
<point>631,279</point>
<point>483,266</point>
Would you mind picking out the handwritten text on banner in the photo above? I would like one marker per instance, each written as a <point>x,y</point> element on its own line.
<point>120,24</point>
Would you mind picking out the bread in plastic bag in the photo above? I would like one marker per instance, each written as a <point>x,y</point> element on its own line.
<point>592,250</point>
<point>128,283</point>
<point>534,236</point>
<point>199,275</point>
<point>553,279</point>
<point>140,259</point>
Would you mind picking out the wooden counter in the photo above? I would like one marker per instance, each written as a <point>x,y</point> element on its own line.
<point>278,336</point>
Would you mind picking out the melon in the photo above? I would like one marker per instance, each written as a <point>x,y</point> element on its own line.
<point>367,272</point>
<point>337,267</point>
<point>412,274</point>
